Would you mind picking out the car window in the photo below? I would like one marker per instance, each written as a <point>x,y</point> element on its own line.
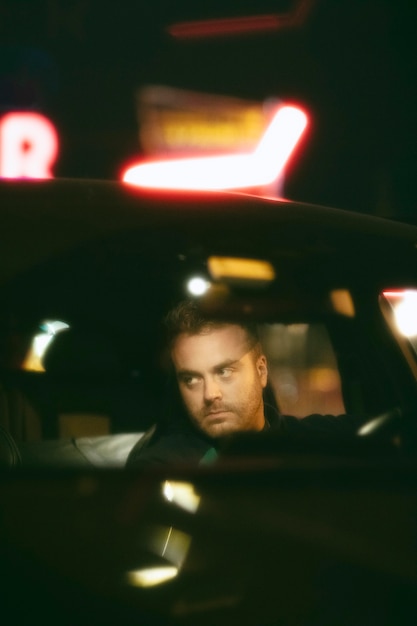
<point>87,342</point>
<point>303,369</point>
<point>83,342</point>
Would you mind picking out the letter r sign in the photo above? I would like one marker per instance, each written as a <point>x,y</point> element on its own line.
<point>28,145</point>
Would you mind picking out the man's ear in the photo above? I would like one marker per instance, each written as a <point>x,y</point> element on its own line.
<point>262,369</point>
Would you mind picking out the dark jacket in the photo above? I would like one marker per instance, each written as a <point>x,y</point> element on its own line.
<point>188,445</point>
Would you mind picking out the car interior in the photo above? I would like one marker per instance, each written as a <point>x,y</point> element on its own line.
<point>85,372</point>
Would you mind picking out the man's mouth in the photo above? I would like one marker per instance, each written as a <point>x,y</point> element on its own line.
<point>216,412</point>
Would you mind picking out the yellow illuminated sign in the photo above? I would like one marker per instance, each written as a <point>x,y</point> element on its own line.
<point>183,130</point>
<point>178,121</point>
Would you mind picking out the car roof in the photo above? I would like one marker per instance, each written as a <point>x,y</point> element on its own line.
<point>43,218</point>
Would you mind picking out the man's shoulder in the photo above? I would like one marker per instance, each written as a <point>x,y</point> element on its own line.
<point>320,423</point>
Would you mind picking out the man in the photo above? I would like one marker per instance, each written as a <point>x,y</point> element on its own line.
<point>222,377</point>
<point>221,373</point>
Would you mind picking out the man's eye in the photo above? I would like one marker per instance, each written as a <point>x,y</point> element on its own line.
<point>189,381</point>
<point>225,372</point>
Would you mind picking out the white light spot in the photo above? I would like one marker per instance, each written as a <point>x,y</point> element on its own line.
<point>197,286</point>
<point>151,576</point>
<point>406,314</point>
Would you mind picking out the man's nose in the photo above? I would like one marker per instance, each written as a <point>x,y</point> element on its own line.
<point>212,390</point>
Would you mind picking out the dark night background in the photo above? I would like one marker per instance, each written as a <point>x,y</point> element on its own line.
<point>350,63</point>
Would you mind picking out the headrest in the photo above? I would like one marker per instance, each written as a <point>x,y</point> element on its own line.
<point>83,352</point>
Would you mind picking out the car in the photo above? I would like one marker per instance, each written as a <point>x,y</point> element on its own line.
<point>279,530</point>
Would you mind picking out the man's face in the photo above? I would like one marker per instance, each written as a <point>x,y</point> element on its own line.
<point>221,380</point>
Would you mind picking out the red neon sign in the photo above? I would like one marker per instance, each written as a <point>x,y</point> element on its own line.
<point>28,146</point>
<point>261,167</point>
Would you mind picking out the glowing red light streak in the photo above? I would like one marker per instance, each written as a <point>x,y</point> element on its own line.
<point>28,146</point>
<point>260,167</point>
<point>244,25</point>
<point>226,26</point>
<point>397,293</point>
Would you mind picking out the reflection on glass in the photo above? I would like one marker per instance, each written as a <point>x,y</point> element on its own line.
<point>182,494</point>
<point>40,344</point>
<point>399,307</point>
<point>404,304</point>
<point>170,546</point>
<point>151,576</point>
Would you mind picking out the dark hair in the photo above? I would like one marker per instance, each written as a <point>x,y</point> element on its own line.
<point>187,317</point>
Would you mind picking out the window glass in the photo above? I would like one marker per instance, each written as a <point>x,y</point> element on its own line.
<point>302,369</point>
